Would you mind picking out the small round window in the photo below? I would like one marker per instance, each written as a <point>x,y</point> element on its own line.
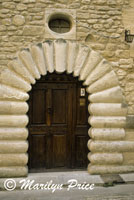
<point>59,25</point>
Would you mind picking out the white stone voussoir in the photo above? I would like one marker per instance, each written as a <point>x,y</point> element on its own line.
<point>109,80</point>
<point>112,95</point>
<point>13,159</point>
<point>14,80</point>
<point>17,66</point>
<point>81,59</point>
<point>10,93</point>
<point>100,70</point>
<point>13,146</point>
<point>107,121</point>
<point>39,59</point>
<point>13,120</point>
<point>13,133</point>
<point>60,48</point>
<point>73,48</point>
<point>26,58</point>
<point>13,171</point>
<point>107,109</point>
<point>13,107</point>
<point>48,48</point>
<point>105,158</point>
<point>111,146</point>
<point>107,134</point>
<point>93,59</point>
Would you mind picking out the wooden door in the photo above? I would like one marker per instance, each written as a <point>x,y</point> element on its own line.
<point>57,123</point>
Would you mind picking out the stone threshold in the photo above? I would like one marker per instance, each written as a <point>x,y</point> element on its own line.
<point>81,177</point>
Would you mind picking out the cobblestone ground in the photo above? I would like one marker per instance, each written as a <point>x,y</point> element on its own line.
<point>125,192</point>
<point>130,197</point>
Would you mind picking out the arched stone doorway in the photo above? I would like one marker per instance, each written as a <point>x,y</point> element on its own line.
<point>107,109</point>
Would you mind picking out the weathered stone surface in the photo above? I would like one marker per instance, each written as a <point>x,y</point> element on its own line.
<point>18,20</point>
<point>105,158</point>
<point>13,133</point>
<point>129,87</point>
<point>21,7</point>
<point>121,72</point>
<point>48,53</point>
<point>38,57</point>
<point>101,69</point>
<point>13,171</point>
<point>107,122</point>
<point>122,54</point>
<point>93,59</point>
<point>107,109</point>
<point>2,28</point>
<point>13,147</point>
<point>86,1</point>
<point>100,2</point>
<point>111,146</point>
<point>127,17</point>
<point>8,5</point>
<point>13,159</point>
<point>126,61</point>
<point>72,53</point>
<point>81,58</point>
<point>97,26</point>
<point>9,93</point>
<point>128,158</point>
<point>18,67</point>
<point>92,21</point>
<point>83,16</point>
<point>11,107</point>
<point>112,95</point>
<point>103,169</point>
<point>27,60</point>
<point>111,47</point>
<point>107,134</point>
<point>33,30</point>
<point>104,83</point>
<point>6,21</point>
<point>13,80</point>
<point>129,135</point>
<point>13,121</point>
<point>60,48</point>
<point>130,122</point>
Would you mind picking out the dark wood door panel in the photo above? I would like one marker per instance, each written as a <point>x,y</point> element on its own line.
<point>81,130</point>
<point>81,151</point>
<point>58,123</point>
<point>59,106</point>
<point>59,150</point>
<point>37,151</point>
<point>39,107</point>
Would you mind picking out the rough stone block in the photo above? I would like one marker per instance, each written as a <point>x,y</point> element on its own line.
<point>33,30</point>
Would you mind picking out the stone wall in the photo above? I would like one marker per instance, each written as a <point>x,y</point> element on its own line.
<point>100,24</point>
<point>112,140</point>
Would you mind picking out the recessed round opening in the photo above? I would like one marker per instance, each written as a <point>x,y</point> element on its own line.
<point>59,24</point>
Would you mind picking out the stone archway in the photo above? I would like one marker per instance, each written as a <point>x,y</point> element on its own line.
<point>108,109</point>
